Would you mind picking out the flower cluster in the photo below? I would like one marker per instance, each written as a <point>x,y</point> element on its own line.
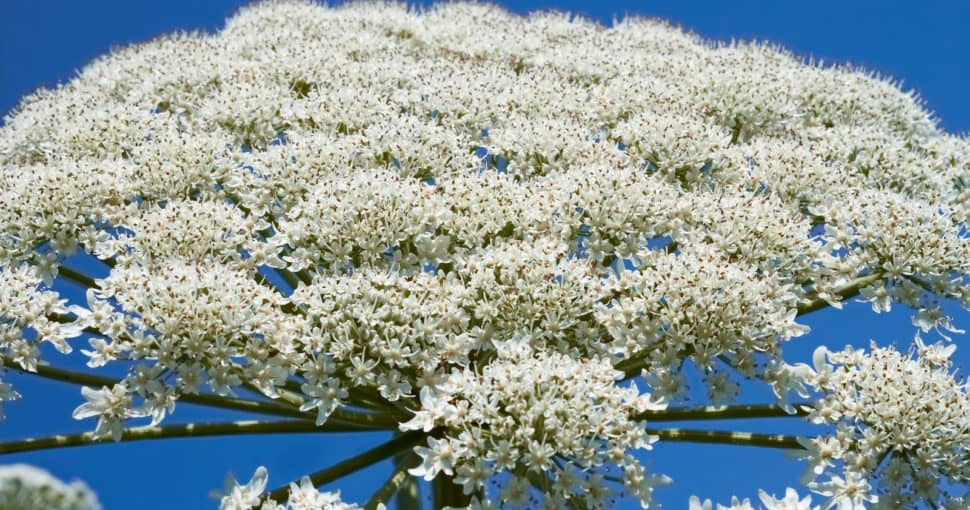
<point>900,422</point>
<point>24,487</point>
<point>370,212</point>
<point>302,496</point>
<point>702,306</point>
<point>791,501</point>
<point>32,316</point>
<point>200,324</point>
<point>547,420</point>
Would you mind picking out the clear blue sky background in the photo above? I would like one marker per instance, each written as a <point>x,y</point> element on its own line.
<point>42,42</point>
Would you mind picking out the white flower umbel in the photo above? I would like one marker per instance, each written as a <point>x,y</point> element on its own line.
<point>29,317</point>
<point>367,216</point>
<point>901,421</point>
<point>549,421</point>
<point>243,497</point>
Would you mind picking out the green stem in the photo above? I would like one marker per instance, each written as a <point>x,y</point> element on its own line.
<point>236,404</point>
<point>722,412</point>
<point>394,484</point>
<point>847,291</point>
<point>340,419</point>
<point>292,399</point>
<point>364,421</point>
<point>76,277</point>
<point>632,366</point>
<point>728,437</point>
<point>374,455</point>
<point>541,481</point>
<point>448,493</point>
<point>59,374</point>
<point>359,397</point>
<point>166,432</point>
<point>70,317</point>
<point>342,416</point>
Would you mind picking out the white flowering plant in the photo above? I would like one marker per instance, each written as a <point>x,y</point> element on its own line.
<point>514,252</point>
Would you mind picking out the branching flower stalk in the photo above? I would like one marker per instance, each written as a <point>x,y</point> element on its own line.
<point>509,251</point>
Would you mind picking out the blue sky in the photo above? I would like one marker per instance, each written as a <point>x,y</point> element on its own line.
<point>43,42</point>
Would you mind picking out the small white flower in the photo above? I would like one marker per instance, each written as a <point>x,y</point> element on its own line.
<point>791,501</point>
<point>440,456</point>
<point>694,503</point>
<point>243,497</point>
<point>110,405</point>
<point>325,397</point>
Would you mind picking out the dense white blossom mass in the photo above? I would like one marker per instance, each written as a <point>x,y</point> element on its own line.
<point>483,227</point>
<point>25,487</point>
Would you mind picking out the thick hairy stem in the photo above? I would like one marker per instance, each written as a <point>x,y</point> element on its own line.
<point>167,432</point>
<point>728,437</point>
<point>374,455</point>
<point>722,412</point>
<point>364,421</point>
<point>448,493</point>
<point>408,497</point>
<point>398,480</point>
